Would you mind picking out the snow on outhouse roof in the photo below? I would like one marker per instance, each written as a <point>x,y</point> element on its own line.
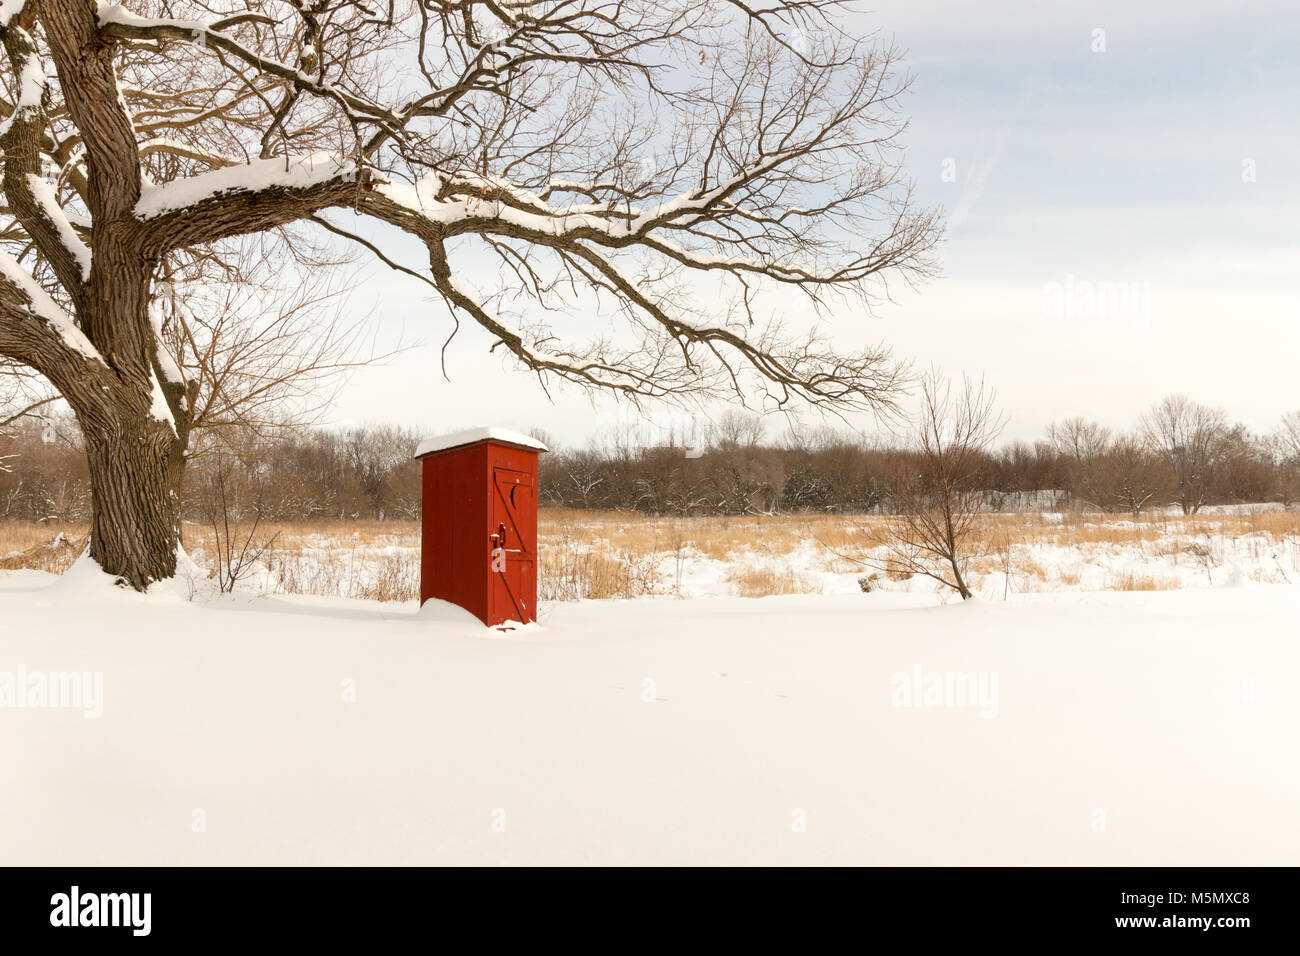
<point>469,436</point>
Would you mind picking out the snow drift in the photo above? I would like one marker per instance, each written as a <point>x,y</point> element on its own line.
<point>1111,728</point>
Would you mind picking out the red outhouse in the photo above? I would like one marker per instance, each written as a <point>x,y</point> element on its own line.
<point>478,540</point>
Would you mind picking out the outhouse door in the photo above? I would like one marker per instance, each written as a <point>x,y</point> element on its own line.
<point>513,505</point>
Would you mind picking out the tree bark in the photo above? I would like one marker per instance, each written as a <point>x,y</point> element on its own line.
<point>135,473</point>
<point>962,589</point>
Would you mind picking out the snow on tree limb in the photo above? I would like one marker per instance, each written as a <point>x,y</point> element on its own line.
<point>32,201</point>
<point>50,208</point>
<point>19,290</point>
<point>609,154</point>
<point>243,179</point>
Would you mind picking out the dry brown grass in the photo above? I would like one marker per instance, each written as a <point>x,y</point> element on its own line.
<point>1135,581</point>
<point>753,582</point>
<point>40,546</point>
<point>717,537</point>
<point>1023,566</point>
<point>895,569</point>
<point>571,570</point>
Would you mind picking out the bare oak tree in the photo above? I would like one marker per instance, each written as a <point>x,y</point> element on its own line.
<point>1285,444</point>
<point>1194,440</point>
<point>659,164</point>
<point>735,429</point>
<point>1082,444</point>
<point>1129,476</point>
<point>1288,437</point>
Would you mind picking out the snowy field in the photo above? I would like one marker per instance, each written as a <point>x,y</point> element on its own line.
<point>1071,728</point>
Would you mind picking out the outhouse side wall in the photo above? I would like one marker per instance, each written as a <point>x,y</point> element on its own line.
<point>455,550</point>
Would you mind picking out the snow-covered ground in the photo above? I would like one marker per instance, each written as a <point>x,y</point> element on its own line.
<point>1128,728</point>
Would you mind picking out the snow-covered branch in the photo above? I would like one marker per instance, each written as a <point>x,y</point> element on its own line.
<point>243,181</point>
<point>32,200</point>
<point>508,127</point>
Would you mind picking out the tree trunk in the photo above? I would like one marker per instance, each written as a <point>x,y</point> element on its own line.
<point>962,589</point>
<point>135,473</point>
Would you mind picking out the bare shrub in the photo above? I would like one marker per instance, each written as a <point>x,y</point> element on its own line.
<point>238,549</point>
<point>937,490</point>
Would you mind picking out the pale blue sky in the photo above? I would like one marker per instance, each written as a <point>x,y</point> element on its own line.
<point>1073,169</point>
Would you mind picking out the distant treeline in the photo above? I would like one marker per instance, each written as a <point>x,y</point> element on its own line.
<point>1078,465</point>
<point>1182,454</point>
